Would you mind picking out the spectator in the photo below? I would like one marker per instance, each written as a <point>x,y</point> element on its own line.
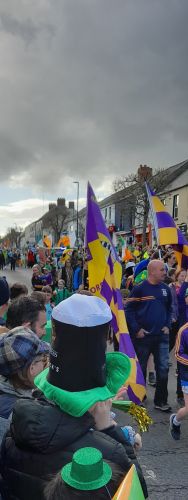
<point>48,306</point>
<point>13,259</point>
<point>40,296</point>
<point>174,325</point>
<point>77,276</point>
<point>17,290</point>
<point>74,259</point>
<point>4,298</point>
<point>181,289</point>
<point>45,433</point>
<point>28,312</point>
<point>47,276</point>
<point>148,313</point>
<point>101,473</point>
<point>22,357</point>
<point>180,278</point>
<point>170,261</point>
<point>38,279</point>
<point>2,260</point>
<point>67,275</point>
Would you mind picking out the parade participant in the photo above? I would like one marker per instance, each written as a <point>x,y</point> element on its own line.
<point>88,477</point>
<point>148,313</point>
<point>61,292</point>
<point>17,290</point>
<point>78,388</point>
<point>28,312</point>
<point>181,353</point>
<point>22,357</point>
<point>67,275</point>
<point>4,298</point>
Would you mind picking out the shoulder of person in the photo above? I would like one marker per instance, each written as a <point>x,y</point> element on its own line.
<point>43,425</point>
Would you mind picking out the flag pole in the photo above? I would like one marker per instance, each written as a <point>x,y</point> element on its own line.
<point>154,217</point>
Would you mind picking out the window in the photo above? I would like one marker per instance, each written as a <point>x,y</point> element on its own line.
<point>105,213</point>
<point>110,213</point>
<point>175,206</point>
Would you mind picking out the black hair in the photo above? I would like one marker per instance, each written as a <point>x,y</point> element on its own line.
<point>18,289</point>
<point>23,310</point>
<point>57,489</point>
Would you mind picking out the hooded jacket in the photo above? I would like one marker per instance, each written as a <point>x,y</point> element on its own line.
<point>8,397</point>
<point>43,438</point>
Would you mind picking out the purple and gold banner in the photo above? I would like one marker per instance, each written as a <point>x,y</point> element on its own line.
<point>105,271</point>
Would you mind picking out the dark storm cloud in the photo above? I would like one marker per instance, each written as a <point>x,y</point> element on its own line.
<point>92,88</point>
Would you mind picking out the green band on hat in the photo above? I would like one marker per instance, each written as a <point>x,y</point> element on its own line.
<point>118,368</point>
<point>87,471</point>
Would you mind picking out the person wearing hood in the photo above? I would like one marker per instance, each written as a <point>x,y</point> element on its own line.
<point>72,410</point>
<point>22,356</point>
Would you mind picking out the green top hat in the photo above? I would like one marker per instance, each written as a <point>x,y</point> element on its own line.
<point>87,471</point>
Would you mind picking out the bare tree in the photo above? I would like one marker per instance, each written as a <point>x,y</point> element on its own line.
<point>139,200</point>
<point>55,220</point>
<point>13,235</point>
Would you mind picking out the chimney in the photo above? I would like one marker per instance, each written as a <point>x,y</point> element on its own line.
<point>51,206</point>
<point>61,202</point>
<point>71,205</point>
<point>144,172</point>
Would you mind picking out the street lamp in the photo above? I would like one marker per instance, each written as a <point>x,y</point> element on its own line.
<point>77,235</point>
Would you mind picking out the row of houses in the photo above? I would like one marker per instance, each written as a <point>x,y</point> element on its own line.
<point>120,211</point>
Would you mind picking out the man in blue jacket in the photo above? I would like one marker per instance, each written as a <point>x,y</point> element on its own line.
<point>148,313</point>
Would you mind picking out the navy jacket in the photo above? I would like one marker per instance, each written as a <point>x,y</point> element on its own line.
<point>181,351</point>
<point>149,307</point>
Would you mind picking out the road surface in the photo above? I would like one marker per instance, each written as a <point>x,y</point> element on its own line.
<point>164,461</point>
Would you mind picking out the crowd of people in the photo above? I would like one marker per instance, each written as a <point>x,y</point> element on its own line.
<point>59,437</point>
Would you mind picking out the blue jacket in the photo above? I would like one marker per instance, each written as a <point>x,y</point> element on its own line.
<point>181,351</point>
<point>182,304</point>
<point>77,278</point>
<point>149,307</point>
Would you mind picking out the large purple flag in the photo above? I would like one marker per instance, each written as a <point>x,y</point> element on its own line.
<point>105,271</point>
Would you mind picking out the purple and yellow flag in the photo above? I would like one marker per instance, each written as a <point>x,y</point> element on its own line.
<point>130,488</point>
<point>167,233</point>
<point>105,271</point>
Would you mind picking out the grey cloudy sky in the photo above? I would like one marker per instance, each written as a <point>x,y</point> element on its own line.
<point>89,90</point>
